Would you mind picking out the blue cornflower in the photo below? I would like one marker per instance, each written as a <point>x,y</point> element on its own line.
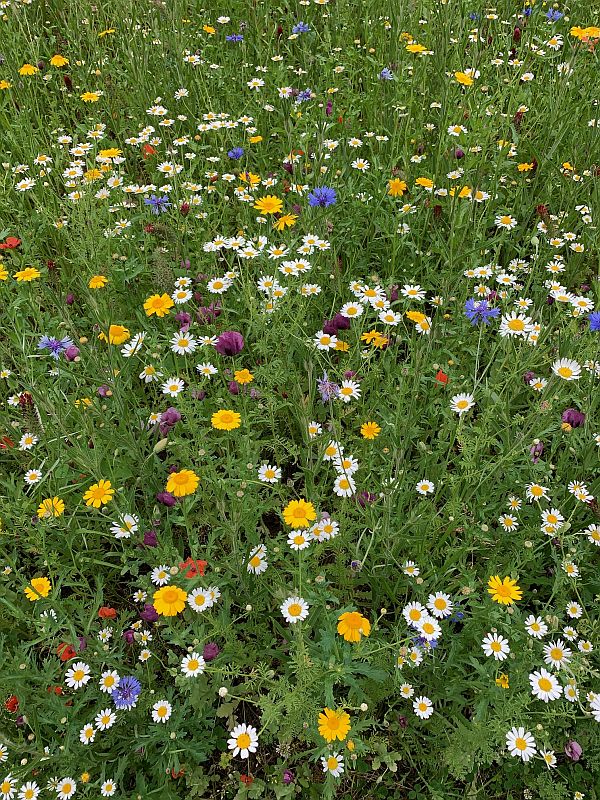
<point>474,15</point>
<point>127,692</point>
<point>236,152</point>
<point>55,346</point>
<point>322,196</point>
<point>594,319</point>
<point>157,204</point>
<point>528,11</point>
<point>386,75</point>
<point>479,311</point>
<point>300,27</point>
<point>327,389</point>
<point>234,37</point>
<point>554,15</point>
<point>306,94</point>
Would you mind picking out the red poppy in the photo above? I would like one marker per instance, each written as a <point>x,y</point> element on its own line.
<point>6,442</point>
<point>10,243</point>
<point>247,779</point>
<point>12,704</point>
<point>195,567</point>
<point>441,377</point>
<point>148,150</point>
<point>106,612</point>
<point>55,689</point>
<point>65,651</point>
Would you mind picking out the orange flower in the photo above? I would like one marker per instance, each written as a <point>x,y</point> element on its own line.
<point>352,625</point>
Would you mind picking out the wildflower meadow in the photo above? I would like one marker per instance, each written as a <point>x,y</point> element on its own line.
<point>299,372</point>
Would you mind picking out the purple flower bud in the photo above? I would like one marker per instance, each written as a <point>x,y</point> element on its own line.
<point>19,721</point>
<point>129,636</point>
<point>296,208</point>
<point>185,263</point>
<point>550,300</point>
<point>573,417</point>
<point>71,352</point>
<point>198,394</point>
<point>150,538</point>
<point>573,750</point>
<point>584,288</point>
<point>288,167</point>
<point>349,374</point>
<point>356,566</point>
<point>402,721</point>
<point>149,614</point>
<point>233,388</point>
<point>329,108</point>
<point>536,451</point>
<point>229,343</point>
<point>288,776</point>
<point>254,394</point>
<point>458,153</point>
<point>82,643</point>
<point>171,416</point>
<point>184,319</point>
<point>528,377</point>
<point>103,390</point>
<point>173,468</point>
<point>70,299</point>
<point>211,651</point>
<point>394,294</point>
<point>166,498</point>
<point>332,326</point>
<point>366,497</point>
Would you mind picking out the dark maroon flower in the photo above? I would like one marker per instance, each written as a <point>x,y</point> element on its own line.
<point>288,167</point>
<point>149,614</point>
<point>573,750</point>
<point>233,388</point>
<point>198,394</point>
<point>211,651</point>
<point>82,643</point>
<point>168,420</point>
<point>129,636</point>
<point>528,377</point>
<point>329,108</point>
<point>184,209</point>
<point>150,538</point>
<point>366,497</point>
<point>70,299</point>
<point>584,288</point>
<point>349,374</point>
<point>458,153</point>
<point>573,417</point>
<point>229,343</point>
<point>71,352</point>
<point>394,293</point>
<point>166,498</point>
<point>335,324</point>
<point>402,721</point>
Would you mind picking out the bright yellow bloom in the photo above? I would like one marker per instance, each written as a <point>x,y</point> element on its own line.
<point>27,274</point>
<point>208,29</point>
<point>352,625</point>
<point>58,61</point>
<point>466,191</point>
<point>396,187</point>
<point>182,483</point>
<point>92,175</point>
<point>416,48</point>
<point>41,588</point>
<point>4,84</point>
<point>334,724</point>
<point>110,152</point>
<point>224,420</point>
<point>28,69</point>
<point>525,167</point>
<point>463,78</point>
<point>285,219</point>
<point>98,281</point>
<point>269,204</point>
<point>158,304</point>
<point>51,507</point>
<point>299,513</point>
<point>341,347</point>
<point>255,139</point>
<point>243,376</point>
<point>416,316</point>
<point>502,681</point>
<point>90,97</point>
<point>250,177</point>
<point>591,32</point>
<point>3,272</point>
<point>99,494</point>
<point>169,600</point>
<point>102,34</point>
<point>85,777</point>
<point>117,334</point>
<point>370,430</point>
<point>504,591</point>
<point>426,183</point>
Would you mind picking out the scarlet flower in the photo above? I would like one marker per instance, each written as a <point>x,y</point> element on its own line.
<point>106,612</point>
<point>248,780</point>
<point>65,651</point>
<point>56,689</point>
<point>441,377</point>
<point>12,704</point>
<point>176,775</point>
<point>148,150</point>
<point>195,567</point>
<point>10,243</point>
<point>6,442</point>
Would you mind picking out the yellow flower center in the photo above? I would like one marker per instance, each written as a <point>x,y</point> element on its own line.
<point>200,599</point>
<point>78,674</point>
<point>332,763</point>
<point>556,653</point>
<point>255,562</point>
<point>565,372</point>
<point>193,664</point>
<point>243,741</point>
<point>170,595</point>
<point>520,743</point>
<point>544,684</point>
<point>428,627</point>
<point>294,610</point>
<point>516,325</point>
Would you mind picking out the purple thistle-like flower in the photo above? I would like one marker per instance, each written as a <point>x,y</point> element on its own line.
<point>158,205</point>
<point>167,499</point>
<point>211,651</point>
<point>573,750</point>
<point>480,311</point>
<point>149,614</point>
<point>150,538</point>
<point>573,417</point>
<point>327,389</point>
<point>125,696</point>
<point>322,196</point>
<point>536,451</point>
<point>229,343</point>
<point>55,346</point>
